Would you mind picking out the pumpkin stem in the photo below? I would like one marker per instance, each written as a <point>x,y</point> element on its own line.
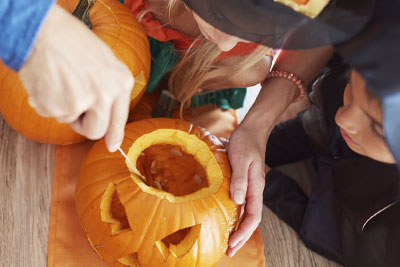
<point>82,11</point>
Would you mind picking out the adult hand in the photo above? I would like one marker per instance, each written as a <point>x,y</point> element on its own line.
<point>246,153</point>
<point>74,77</point>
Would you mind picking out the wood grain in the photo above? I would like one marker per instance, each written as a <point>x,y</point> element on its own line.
<point>26,171</point>
<point>283,248</point>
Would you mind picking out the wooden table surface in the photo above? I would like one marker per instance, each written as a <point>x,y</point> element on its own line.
<point>26,170</point>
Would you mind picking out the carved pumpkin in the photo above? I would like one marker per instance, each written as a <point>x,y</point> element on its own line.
<point>115,25</point>
<point>182,215</point>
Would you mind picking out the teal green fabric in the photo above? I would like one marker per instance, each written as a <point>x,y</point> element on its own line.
<point>164,57</point>
<point>121,1</point>
<point>225,99</point>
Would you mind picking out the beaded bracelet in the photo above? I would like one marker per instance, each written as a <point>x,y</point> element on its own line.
<point>291,77</point>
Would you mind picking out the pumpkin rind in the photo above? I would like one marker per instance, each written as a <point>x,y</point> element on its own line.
<point>145,107</point>
<point>211,217</point>
<point>118,28</point>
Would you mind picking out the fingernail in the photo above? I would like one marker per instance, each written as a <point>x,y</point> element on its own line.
<point>115,147</point>
<point>233,244</point>
<point>231,254</point>
<point>238,197</point>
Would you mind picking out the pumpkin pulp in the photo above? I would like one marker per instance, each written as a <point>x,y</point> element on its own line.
<point>181,142</point>
<point>166,167</point>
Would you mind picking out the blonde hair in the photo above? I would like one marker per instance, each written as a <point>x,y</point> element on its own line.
<point>199,67</point>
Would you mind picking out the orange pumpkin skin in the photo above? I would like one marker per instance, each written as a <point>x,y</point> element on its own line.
<point>24,119</point>
<point>152,218</point>
<point>219,122</point>
<point>145,107</point>
<point>116,26</point>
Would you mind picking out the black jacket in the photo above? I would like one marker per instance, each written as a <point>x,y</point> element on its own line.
<point>352,213</point>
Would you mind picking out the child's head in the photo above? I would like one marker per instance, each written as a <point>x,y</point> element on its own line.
<point>360,120</point>
<point>199,66</point>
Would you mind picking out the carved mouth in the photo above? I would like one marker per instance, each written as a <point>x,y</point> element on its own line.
<point>179,243</point>
<point>131,260</point>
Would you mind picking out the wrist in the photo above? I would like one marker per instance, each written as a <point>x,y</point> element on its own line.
<point>274,98</point>
<point>257,125</point>
<point>301,88</point>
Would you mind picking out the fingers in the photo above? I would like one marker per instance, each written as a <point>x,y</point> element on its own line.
<point>94,123</point>
<point>250,223</point>
<point>81,78</point>
<point>119,116</point>
<point>253,211</point>
<point>45,110</point>
<point>233,250</point>
<point>65,109</point>
<point>68,118</point>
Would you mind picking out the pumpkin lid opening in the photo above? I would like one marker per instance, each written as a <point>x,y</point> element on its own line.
<point>177,166</point>
<point>168,168</point>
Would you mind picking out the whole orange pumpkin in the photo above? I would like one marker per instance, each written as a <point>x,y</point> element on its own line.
<point>180,215</point>
<point>116,26</point>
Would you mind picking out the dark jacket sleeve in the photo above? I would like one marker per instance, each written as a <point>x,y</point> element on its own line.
<point>288,143</point>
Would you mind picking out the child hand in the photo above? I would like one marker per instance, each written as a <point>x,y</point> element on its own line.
<point>246,154</point>
<point>72,76</point>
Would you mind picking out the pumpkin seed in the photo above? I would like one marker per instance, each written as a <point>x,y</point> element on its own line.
<point>176,152</point>
<point>157,185</point>
<point>153,169</point>
<point>157,178</point>
<point>197,179</point>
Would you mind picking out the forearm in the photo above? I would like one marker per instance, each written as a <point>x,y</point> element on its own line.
<point>20,21</point>
<point>251,76</point>
<point>277,94</point>
<point>305,64</point>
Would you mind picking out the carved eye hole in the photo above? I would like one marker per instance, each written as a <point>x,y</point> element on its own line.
<point>179,243</point>
<point>112,211</point>
<point>131,260</point>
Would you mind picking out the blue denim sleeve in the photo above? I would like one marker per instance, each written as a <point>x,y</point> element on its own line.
<point>20,21</point>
